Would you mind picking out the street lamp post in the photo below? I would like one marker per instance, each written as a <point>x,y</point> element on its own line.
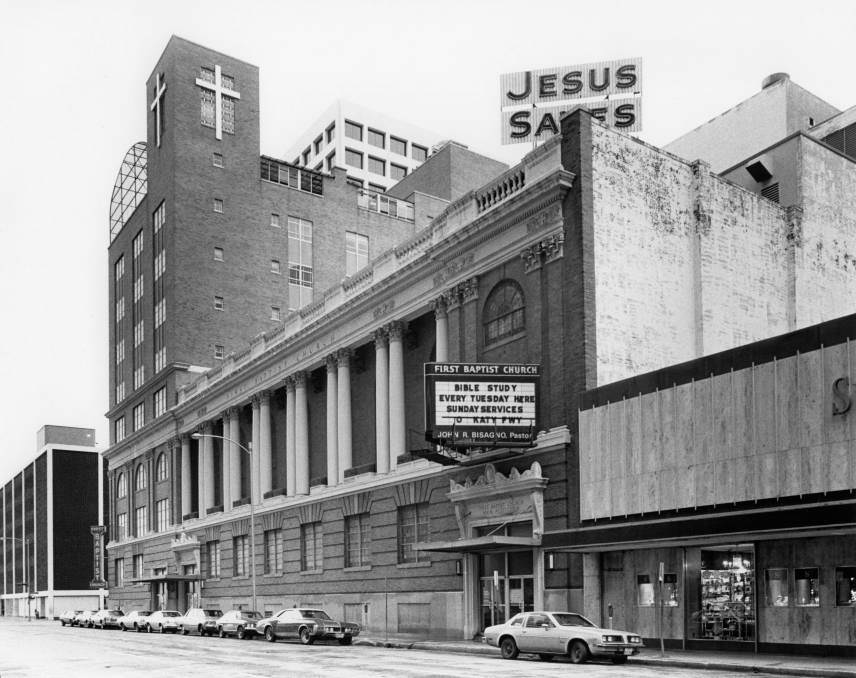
<point>199,436</point>
<point>26,583</point>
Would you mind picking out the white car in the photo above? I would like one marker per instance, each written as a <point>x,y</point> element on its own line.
<point>135,620</point>
<point>549,634</point>
<point>163,621</point>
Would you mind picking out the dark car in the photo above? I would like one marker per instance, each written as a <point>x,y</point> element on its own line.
<point>307,626</point>
<point>202,621</point>
<point>240,623</point>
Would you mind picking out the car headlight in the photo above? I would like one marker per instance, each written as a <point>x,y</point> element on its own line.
<point>611,639</point>
<point>634,639</point>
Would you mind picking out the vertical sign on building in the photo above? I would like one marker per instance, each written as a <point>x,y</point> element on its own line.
<point>98,581</point>
<point>532,102</point>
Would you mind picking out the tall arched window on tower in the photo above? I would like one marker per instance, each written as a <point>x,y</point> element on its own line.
<point>121,486</point>
<point>504,312</point>
<point>141,480</point>
<point>160,470</point>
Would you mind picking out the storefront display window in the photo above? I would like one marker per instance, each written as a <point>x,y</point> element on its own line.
<point>670,589</point>
<point>777,587</point>
<point>726,581</point>
<point>806,587</point>
<point>845,586</point>
<point>645,590</point>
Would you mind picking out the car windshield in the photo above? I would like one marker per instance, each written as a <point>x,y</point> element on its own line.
<point>571,619</point>
<point>314,614</point>
<point>251,614</point>
<point>171,613</point>
<point>212,613</point>
<point>144,613</point>
<point>116,612</point>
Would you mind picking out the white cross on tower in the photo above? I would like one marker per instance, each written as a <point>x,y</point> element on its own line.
<point>160,88</point>
<point>219,93</point>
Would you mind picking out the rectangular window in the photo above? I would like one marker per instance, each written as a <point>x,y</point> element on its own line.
<point>311,547</point>
<point>274,266</point>
<point>376,138</point>
<point>228,113</point>
<point>377,166</point>
<point>139,329</point>
<point>140,520</point>
<point>807,587</point>
<point>644,590</point>
<point>218,254</point>
<point>845,586</point>
<point>331,132</point>
<point>299,262</point>
<point>317,144</point>
<point>138,566</point>
<point>120,309</point>
<point>206,101</point>
<point>119,268</point>
<point>120,352</point>
<point>217,159</point>
<point>412,529</point>
<point>306,155</point>
<point>160,401</point>
<point>670,589</point>
<point>418,153</point>
<point>275,313</point>
<point>358,540</point>
<point>273,552</point>
<point>274,220</point>
<point>122,527</point>
<point>398,146</point>
<point>397,172</point>
<point>139,376</point>
<point>218,205</point>
<point>219,352</point>
<point>353,130</point>
<point>241,552</point>
<point>160,313</point>
<point>219,305</point>
<point>139,416</point>
<point>119,429</point>
<point>777,587</point>
<point>162,511</point>
<point>160,358</point>
<point>120,391</point>
<point>353,158</point>
<point>212,550</point>
<point>356,252</point>
<point>119,569</point>
<point>331,162</point>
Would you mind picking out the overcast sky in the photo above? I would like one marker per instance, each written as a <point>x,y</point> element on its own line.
<point>74,100</point>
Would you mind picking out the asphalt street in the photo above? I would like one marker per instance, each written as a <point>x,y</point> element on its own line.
<point>42,649</point>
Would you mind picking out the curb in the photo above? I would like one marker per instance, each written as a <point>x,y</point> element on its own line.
<point>700,665</point>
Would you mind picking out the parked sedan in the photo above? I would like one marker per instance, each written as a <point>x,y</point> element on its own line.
<point>307,626</point>
<point>560,633</point>
<point>104,618</point>
<point>68,616</point>
<point>163,621</point>
<point>203,622</point>
<point>240,623</point>
<point>83,618</point>
<point>134,620</point>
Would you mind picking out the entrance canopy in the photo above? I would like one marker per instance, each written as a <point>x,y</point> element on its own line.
<point>493,542</point>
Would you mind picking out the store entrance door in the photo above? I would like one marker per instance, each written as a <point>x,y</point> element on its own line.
<point>507,586</point>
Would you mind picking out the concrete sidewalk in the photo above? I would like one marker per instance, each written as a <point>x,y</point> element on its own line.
<point>738,662</point>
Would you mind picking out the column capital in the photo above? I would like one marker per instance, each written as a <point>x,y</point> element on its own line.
<point>230,412</point>
<point>343,356</point>
<point>175,443</point>
<point>381,338</point>
<point>206,428</point>
<point>330,362</point>
<point>299,379</point>
<point>260,397</point>
<point>469,289</point>
<point>289,383</point>
<point>184,438</point>
<point>438,305</point>
<point>452,297</point>
<point>395,330</point>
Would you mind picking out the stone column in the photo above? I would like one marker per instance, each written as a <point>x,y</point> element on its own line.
<point>382,400</point>
<point>208,463</point>
<point>397,426</point>
<point>346,458</point>
<point>264,450</point>
<point>130,473</point>
<point>290,458</point>
<point>226,465</point>
<point>151,461</point>
<point>301,435</point>
<point>332,422</point>
<point>235,453</point>
<point>441,330</point>
<point>255,480</point>
<point>186,481</point>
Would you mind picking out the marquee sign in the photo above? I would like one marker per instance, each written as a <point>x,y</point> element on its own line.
<point>481,404</point>
<point>98,581</point>
<point>532,102</point>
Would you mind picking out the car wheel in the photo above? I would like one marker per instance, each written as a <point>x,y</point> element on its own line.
<point>270,636</point>
<point>306,637</point>
<point>222,633</point>
<point>347,640</point>
<point>62,623</point>
<point>508,648</point>
<point>161,629</point>
<point>184,631</point>
<point>240,633</point>
<point>122,627</point>
<point>149,628</point>
<point>545,657</point>
<point>579,652</point>
<point>619,659</point>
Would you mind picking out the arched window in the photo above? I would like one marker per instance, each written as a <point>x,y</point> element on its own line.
<point>160,470</point>
<point>121,486</point>
<point>141,480</point>
<point>503,312</point>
